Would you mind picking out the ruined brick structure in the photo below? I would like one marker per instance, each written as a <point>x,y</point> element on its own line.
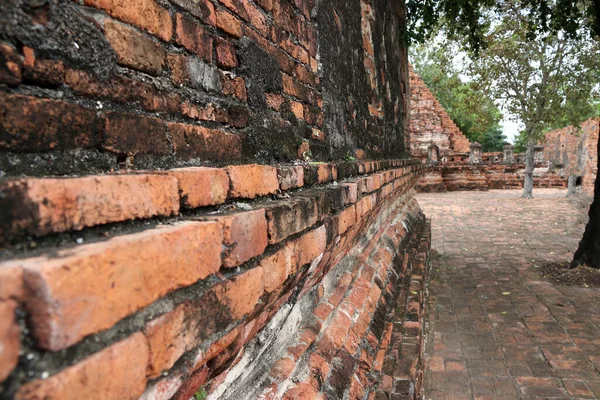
<point>572,153</point>
<point>181,211</point>
<point>430,125</point>
<point>456,164</point>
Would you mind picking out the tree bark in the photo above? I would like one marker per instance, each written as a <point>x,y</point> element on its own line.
<point>571,185</point>
<point>529,166</point>
<point>588,252</point>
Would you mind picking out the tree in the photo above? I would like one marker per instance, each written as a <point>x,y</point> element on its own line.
<point>472,110</point>
<point>426,16</point>
<point>536,78</point>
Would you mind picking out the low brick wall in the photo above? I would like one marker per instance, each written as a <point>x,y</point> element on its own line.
<point>188,297</point>
<point>463,176</point>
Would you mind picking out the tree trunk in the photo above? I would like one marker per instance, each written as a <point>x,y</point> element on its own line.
<point>571,185</point>
<point>589,248</point>
<point>529,166</point>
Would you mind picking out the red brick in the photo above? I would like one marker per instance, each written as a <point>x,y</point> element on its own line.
<point>250,181</point>
<point>291,177</point>
<point>191,384</point>
<point>133,49</point>
<point>191,141</point>
<point>286,218</point>
<point>167,341</point>
<point>200,186</point>
<point>266,4</point>
<point>50,72</point>
<point>202,9</point>
<point>310,245</point>
<point>11,283</point>
<point>10,341</point>
<point>84,290</point>
<point>30,124</point>
<point>297,109</point>
<point>323,311</point>
<point>276,268</point>
<point>283,369</point>
<point>256,18</point>
<point>234,86</point>
<point>226,54</point>
<point>242,293</point>
<point>347,218</point>
<point>56,205</point>
<point>117,372</point>
<point>163,389</point>
<point>11,64</point>
<point>320,173</point>
<point>193,37</point>
<point>218,346</point>
<point>275,101</point>
<point>145,14</point>
<point>317,134</point>
<point>237,6</point>
<point>229,23</point>
<point>244,236</point>
<point>294,88</point>
<point>136,134</point>
<point>179,71</point>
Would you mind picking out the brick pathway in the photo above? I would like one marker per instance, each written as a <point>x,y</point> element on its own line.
<point>497,329</point>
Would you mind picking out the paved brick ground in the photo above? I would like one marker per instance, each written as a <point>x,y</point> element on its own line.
<point>497,329</point>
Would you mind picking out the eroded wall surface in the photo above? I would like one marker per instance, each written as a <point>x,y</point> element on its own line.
<point>186,205</point>
<point>430,124</point>
<point>573,152</point>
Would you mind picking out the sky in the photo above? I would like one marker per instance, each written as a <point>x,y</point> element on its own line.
<point>511,128</point>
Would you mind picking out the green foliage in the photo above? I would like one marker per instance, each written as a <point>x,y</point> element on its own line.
<point>547,81</point>
<point>201,394</point>
<point>473,111</point>
<point>470,19</point>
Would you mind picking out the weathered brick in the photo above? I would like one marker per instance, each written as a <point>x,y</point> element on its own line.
<point>234,86</point>
<point>29,124</point>
<point>168,339</point>
<point>41,206</point>
<point>319,173</point>
<point>89,288</point>
<point>296,89</point>
<point>202,9</point>
<point>163,389</point>
<point>276,268</point>
<point>347,218</point>
<point>218,346</point>
<point>191,141</point>
<point>286,218</point>
<point>244,236</point>
<point>241,293</point>
<point>250,181</point>
<point>133,49</point>
<point>309,246</point>
<point>200,186</point>
<point>10,344</point>
<point>49,72</point>
<point>11,64</point>
<point>229,23</point>
<point>193,37</point>
<point>290,177</point>
<point>136,134</point>
<point>145,14</point>
<point>226,54</point>
<point>117,372</point>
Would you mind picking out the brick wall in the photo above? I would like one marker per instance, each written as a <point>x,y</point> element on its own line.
<point>181,209</point>
<point>430,124</point>
<point>573,152</point>
<point>92,85</point>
